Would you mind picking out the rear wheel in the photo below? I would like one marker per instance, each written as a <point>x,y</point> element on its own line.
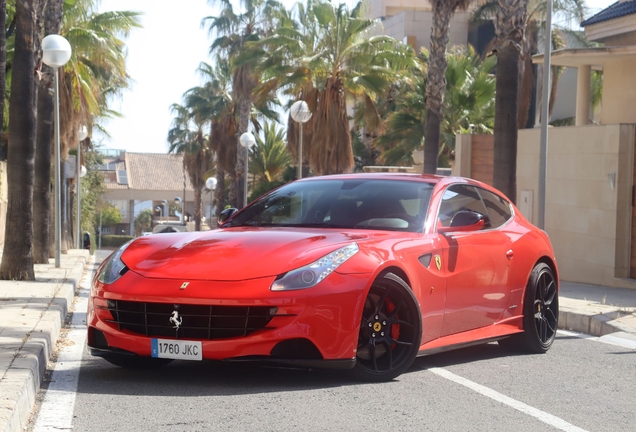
<point>390,331</point>
<point>540,313</point>
<point>136,362</point>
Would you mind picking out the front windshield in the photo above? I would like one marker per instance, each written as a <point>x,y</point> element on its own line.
<point>395,205</point>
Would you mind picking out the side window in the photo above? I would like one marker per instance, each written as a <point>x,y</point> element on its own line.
<point>499,210</point>
<point>457,198</point>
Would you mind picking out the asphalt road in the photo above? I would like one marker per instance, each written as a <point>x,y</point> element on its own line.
<point>580,384</point>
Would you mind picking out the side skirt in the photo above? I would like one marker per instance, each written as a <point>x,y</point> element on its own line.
<point>473,337</point>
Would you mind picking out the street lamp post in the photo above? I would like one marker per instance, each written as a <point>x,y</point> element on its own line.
<point>247,140</point>
<point>56,51</point>
<point>165,208</point>
<point>178,201</point>
<point>82,134</point>
<point>210,183</point>
<point>545,114</point>
<point>301,114</point>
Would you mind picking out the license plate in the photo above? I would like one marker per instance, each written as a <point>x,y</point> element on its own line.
<point>176,349</point>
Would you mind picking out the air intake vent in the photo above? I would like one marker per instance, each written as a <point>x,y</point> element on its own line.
<point>195,321</point>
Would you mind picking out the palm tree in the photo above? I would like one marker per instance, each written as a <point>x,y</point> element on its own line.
<point>328,56</point>
<point>3,73</point>
<point>269,157</point>
<point>213,101</point>
<point>17,258</point>
<point>509,27</point>
<point>233,31</point>
<point>186,137</point>
<point>570,10</point>
<point>42,189</point>
<point>470,95</point>
<point>469,100</point>
<point>443,10</point>
<point>95,73</point>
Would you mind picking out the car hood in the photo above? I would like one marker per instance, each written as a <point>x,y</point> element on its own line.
<point>236,253</point>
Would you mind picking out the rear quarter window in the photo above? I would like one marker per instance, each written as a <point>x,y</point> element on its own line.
<point>499,210</point>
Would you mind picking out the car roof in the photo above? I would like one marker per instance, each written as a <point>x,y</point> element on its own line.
<point>380,176</point>
<point>442,181</point>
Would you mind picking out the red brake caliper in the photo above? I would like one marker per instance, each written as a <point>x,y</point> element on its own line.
<point>395,328</point>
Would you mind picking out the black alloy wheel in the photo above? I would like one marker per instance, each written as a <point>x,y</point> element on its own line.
<point>541,313</point>
<point>546,308</point>
<point>390,331</point>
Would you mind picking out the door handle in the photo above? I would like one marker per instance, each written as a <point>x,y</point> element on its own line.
<point>510,254</point>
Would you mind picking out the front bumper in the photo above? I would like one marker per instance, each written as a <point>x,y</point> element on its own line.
<point>316,327</point>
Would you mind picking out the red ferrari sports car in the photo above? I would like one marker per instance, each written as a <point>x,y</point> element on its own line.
<point>361,272</point>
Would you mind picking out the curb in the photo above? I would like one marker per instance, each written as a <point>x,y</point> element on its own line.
<point>25,375</point>
<point>594,324</point>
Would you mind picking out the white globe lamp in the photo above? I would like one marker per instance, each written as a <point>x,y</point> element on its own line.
<point>301,114</point>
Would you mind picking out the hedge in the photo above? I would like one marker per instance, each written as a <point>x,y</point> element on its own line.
<point>109,240</point>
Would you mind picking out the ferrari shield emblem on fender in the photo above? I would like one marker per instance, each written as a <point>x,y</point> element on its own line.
<point>438,262</point>
<point>184,285</point>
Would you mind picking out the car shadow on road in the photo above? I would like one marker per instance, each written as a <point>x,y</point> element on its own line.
<point>461,356</point>
<point>212,378</point>
<point>206,378</point>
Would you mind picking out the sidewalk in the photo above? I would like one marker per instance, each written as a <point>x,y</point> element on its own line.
<point>33,313</point>
<point>31,317</point>
<point>597,310</point>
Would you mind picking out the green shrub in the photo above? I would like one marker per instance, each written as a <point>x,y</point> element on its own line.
<point>109,240</point>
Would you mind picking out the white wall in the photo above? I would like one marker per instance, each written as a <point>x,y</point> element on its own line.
<point>419,24</point>
<point>588,221</point>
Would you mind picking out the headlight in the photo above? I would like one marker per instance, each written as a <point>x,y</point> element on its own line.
<point>114,267</point>
<point>312,274</point>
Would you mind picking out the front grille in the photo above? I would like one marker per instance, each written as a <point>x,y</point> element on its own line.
<point>195,321</point>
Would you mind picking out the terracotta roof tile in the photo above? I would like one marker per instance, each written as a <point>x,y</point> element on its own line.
<point>155,171</point>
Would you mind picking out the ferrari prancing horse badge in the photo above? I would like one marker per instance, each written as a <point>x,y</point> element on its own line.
<point>438,262</point>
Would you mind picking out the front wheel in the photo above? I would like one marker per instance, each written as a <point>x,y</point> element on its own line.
<point>540,313</point>
<point>390,331</point>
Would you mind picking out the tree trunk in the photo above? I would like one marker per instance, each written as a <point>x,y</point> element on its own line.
<point>528,81</point>
<point>509,27</point>
<point>3,74</point>
<point>436,82</point>
<point>219,193</point>
<point>432,129</point>
<point>197,208</point>
<point>42,189</point>
<point>43,149</point>
<point>525,90</point>
<point>330,151</point>
<point>233,182</point>
<point>63,210</point>
<point>241,177</point>
<point>17,258</point>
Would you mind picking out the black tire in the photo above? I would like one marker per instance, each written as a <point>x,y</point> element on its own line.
<point>390,331</point>
<point>136,362</point>
<point>540,313</point>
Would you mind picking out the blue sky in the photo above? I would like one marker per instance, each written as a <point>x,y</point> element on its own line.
<point>162,60</point>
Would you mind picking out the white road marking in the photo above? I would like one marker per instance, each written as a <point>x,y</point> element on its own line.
<point>513,403</point>
<point>610,339</point>
<point>56,410</point>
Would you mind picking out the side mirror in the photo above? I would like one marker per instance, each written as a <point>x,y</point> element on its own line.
<point>464,221</point>
<point>225,215</point>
